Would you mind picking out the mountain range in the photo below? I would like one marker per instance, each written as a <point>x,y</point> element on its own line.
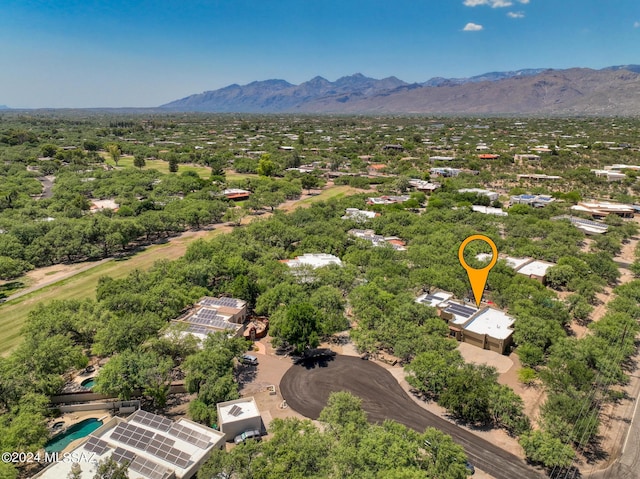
<point>577,91</point>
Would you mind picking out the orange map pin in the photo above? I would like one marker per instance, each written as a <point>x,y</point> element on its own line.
<point>478,277</point>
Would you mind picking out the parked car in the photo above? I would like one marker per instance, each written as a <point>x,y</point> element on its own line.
<point>470,469</point>
<point>245,436</point>
<point>249,359</point>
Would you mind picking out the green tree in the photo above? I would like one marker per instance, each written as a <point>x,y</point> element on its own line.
<point>343,411</point>
<point>309,182</point>
<point>542,448</point>
<point>266,167</point>
<point>173,164</point>
<point>139,161</point>
<point>110,469</point>
<point>114,152</point>
<point>299,326</point>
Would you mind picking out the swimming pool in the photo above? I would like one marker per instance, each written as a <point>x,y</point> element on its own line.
<point>81,429</point>
<point>88,383</point>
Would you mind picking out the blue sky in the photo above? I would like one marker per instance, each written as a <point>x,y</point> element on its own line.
<point>110,53</point>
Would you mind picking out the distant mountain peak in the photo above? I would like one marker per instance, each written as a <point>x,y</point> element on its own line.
<point>609,91</point>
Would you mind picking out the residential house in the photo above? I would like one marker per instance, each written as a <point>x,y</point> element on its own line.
<point>537,201</point>
<point>154,447</point>
<point>492,195</point>
<point>238,416</point>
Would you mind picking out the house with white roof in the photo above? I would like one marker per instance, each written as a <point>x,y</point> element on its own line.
<point>537,201</point>
<point>154,446</point>
<point>485,327</point>
<point>359,216</point>
<point>489,329</point>
<point>211,315</point>
<point>314,260</point>
<point>492,195</point>
<point>489,210</point>
<point>610,175</point>
<point>238,416</point>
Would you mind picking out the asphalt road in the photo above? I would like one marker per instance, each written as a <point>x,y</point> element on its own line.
<point>306,388</point>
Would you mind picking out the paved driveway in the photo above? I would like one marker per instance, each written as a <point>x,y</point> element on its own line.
<point>306,388</point>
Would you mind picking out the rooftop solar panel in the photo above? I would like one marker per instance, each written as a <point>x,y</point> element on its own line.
<point>461,310</point>
<point>235,410</point>
<point>152,420</point>
<point>431,297</point>
<point>121,455</point>
<point>191,436</point>
<point>131,435</point>
<point>149,468</point>
<point>96,445</point>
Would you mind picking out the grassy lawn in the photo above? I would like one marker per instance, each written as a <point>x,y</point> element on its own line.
<point>162,166</point>
<point>83,285</point>
<point>232,175</point>
<point>333,192</point>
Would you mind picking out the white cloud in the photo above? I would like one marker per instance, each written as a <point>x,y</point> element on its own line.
<point>472,27</point>
<point>524,1</point>
<point>636,24</point>
<point>515,15</point>
<point>491,3</point>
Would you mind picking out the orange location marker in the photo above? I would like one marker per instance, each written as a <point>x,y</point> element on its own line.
<point>478,277</point>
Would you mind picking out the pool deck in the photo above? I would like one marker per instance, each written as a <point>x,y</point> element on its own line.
<point>72,418</point>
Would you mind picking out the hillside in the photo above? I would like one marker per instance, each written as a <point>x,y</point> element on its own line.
<point>576,91</point>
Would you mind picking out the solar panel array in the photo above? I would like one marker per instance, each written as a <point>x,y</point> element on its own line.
<point>235,411</point>
<point>229,302</point>
<point>195,328</point>
<point>192,437</point>
<point>430,298</point>
<point>160,444</point>
<point>460,310</point>
<point>121,455</point>
<point>96,445</point>
<point>160,447</point>
<point>589,223</point>
<point>152,420</point>
<point>581,221</point>
<point>149,468</point>
<point>204,315</point>
<point>131,435</point>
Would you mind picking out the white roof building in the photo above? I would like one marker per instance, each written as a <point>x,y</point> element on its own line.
<point>434,300</point>
<point>610,175</point>
<point>211,315</point>
<point>492,195</point>
<point>315,260</point>
<point>359,215</point>
<point>238,416</point>
<point>491,322</point>
<point>535,268</point>
<point>154,446</point>
<point>489,210</point>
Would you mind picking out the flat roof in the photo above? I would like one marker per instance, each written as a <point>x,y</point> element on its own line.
<point>489,210</point>
<point>238,410</point>
<point>315,260</point>
<point>154,445</point>
<point>491,322</point>
<point>461,312</point>
<point>537,268</point>
<point>434,299</point>
<point>516,263</point>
